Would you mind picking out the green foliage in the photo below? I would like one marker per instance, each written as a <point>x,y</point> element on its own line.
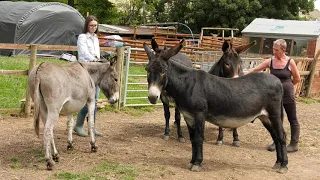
<point>226,13</point>
<point>104,10</point>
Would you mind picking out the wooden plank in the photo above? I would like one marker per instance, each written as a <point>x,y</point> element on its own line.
<point>13,72</point>
<point>178,35</point>
<point>14,46</point>
<point>48,47</point>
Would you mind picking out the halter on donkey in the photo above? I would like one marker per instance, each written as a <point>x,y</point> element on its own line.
<point>225,102</point>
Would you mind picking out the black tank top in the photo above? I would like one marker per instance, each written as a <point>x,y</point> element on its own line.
<point>285,77</point>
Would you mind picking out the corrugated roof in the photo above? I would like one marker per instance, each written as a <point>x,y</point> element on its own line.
<point>262,27</point>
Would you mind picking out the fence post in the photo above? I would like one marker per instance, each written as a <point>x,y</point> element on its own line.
<point>312,71</point>
<point>32,64</point>
<point>119,67</point>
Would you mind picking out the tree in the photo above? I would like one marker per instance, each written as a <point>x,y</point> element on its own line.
<point>228,13</point>
<point>137,12</point>
<point>104,10</point>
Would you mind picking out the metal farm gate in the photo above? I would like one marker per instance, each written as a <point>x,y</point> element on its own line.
<point>135,92</point>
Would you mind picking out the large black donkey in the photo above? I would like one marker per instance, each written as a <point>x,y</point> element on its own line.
<point>225,102</point>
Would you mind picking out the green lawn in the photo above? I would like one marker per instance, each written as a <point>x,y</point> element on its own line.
<point>13,87</point>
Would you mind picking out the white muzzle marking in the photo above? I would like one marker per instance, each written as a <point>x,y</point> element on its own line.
<point>114,98</point>
<point>154,91</point>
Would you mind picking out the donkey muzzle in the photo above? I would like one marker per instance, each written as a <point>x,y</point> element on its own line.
<point>154,94</point>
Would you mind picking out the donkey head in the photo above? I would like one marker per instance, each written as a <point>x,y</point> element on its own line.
<point>230,62</point>
<point>157,68</point>
<point>109,83</point>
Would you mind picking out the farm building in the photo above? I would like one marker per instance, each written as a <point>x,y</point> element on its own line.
<point>50,23</point>
<point>302,39</point>
<point>302,36</point>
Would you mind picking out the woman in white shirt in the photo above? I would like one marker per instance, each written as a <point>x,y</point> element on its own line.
<point>88,50</point>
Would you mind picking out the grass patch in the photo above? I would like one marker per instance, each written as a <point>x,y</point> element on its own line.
<point>308,100</point>
<point>13,88</point>
<point>15,163</point>
<point>38,154</point>
<point>104,170</point>
<point>138,110</point>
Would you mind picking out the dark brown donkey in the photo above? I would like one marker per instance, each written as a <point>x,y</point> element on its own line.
<point>229,66</point>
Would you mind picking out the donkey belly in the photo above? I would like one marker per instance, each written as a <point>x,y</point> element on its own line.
<point>227,121</point>
<point>72,106</point>
<point>230,122</point>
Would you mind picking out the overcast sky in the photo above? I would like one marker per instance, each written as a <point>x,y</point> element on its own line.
<point>317,4</point>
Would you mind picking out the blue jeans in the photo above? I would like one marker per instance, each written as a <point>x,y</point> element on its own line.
<point>84,111</point>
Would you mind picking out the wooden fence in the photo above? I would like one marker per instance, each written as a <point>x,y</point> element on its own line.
<point>33,58</point>
<point>306,66</point>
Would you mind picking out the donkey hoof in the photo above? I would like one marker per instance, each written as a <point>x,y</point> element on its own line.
<point>182,140</point>
<point>166,137</point>
<point>282,170</point>
<point>70,147</point>
<point>236,143</point>
<point>56,158</point>
<point>276,165</point>
<point>219,143</point>
<point>50,164</point>
<point>195,168</point>
<point>94,148</point>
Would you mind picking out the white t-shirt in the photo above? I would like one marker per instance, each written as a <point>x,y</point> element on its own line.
<point>88,47</point>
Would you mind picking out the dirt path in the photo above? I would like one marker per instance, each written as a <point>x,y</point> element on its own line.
<point>136,141</point>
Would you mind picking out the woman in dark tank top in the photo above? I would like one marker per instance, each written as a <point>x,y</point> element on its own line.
<point>284,68</point>
<point>285,77</point>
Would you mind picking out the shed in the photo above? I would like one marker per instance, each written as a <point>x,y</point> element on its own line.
<point>302,39</point>
<point>50,23</point>
<point>302,36</point>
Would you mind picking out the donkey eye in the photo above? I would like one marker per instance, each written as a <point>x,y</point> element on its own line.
<point>116,79</point>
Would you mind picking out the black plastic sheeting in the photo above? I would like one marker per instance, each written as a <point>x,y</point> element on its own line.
<point>49,23</point>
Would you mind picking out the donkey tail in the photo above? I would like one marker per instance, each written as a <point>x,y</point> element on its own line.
<point>36,105</point>
<point>36,100</point>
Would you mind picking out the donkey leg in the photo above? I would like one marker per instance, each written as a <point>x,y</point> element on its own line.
<point>91,107</point>
<point>196,132</point>
<point>281,147</point>
<point>279,140</point>
<point>220,136</point>
<point>167,118</point>
<point>70,126</point>
<point>48,138</point>
<point>236,141</point>
<point>178,124</point>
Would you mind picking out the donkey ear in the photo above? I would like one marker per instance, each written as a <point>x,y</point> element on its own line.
<point>148,51</point>
<point>245,47</point>
<point>155,46</point>
<point>226,45</point>
<point>173,51</point>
